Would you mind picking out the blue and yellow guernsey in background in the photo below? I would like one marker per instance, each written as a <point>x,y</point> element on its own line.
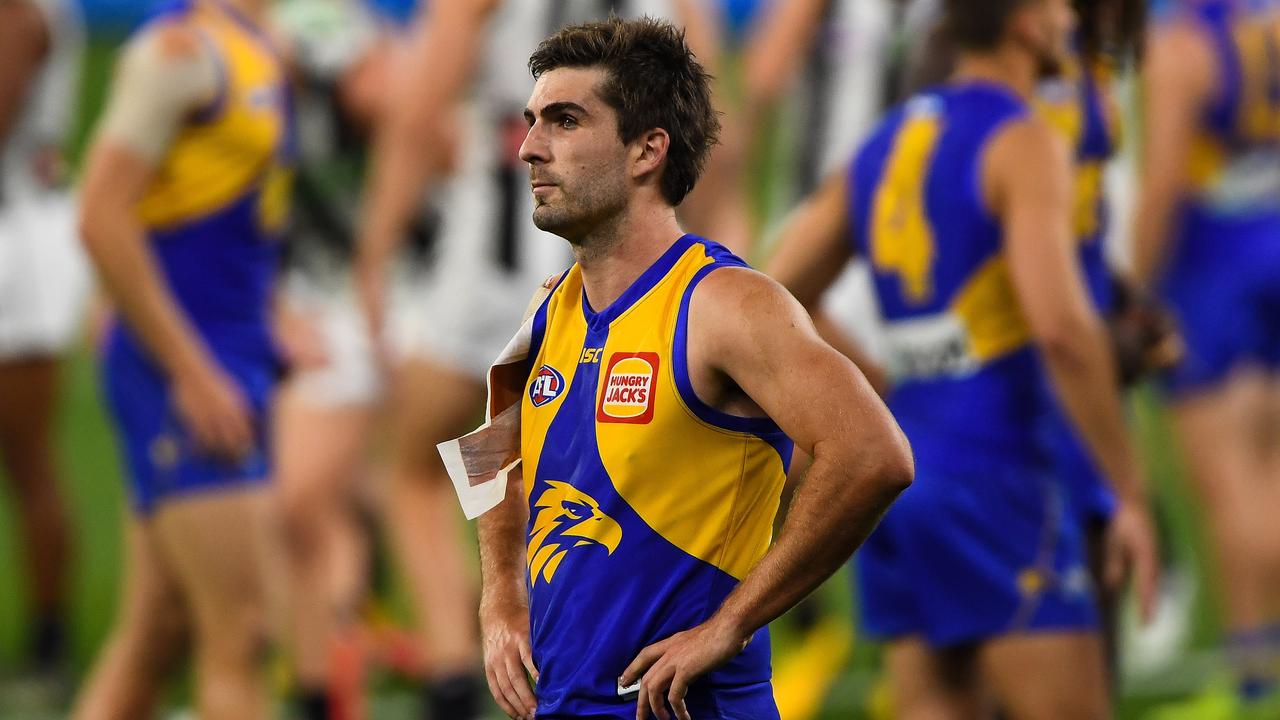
<point>646,506</point>
<point>213,216</point>
<point>970,383</point>
<point>220,198</point>
<point>1223,275</point>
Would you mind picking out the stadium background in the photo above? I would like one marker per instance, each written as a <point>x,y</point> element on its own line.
<point>1176,662</point>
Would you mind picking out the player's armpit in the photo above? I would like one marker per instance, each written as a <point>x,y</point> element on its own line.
<point>814,246</point>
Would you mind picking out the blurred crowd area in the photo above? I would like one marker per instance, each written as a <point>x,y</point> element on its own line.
<point>790,119</point>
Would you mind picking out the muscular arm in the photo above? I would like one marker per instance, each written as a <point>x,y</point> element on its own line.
<point>1027,173</point>
<point>411,140</point>
<point>1177,79</point>
<point>24,41</point>
<point>861,460</point>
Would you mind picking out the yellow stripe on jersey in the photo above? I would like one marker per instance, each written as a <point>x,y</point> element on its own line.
<point>989,309</point>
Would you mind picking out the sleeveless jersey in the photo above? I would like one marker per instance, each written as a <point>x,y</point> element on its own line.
<point>219,199</point>
<point>971,387</point>
<point>646,506</point>
<point>1234,167</point>
<point>1081,107</point>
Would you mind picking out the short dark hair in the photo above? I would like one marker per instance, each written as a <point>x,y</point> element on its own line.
<point>979,24</point>
<point>652,81</point>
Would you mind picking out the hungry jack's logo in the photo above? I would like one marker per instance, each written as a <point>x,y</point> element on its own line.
<point>564,519</point>
<point>626,396</point>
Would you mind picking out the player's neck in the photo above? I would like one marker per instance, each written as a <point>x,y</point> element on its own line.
<point>1007,66</point>
<point>616,254</point>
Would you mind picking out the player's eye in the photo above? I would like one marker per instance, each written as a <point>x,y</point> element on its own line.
<point>568,122</point>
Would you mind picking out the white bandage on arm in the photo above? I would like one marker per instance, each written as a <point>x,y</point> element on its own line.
<point>155,90</point>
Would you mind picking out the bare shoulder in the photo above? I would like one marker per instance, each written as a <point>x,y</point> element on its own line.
<point>736,305</point>
<point>169,40</point>
<point>1024,155</point>
<point>1179,56</point>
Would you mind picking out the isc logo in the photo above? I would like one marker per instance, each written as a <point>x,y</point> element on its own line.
<point>547,385</point>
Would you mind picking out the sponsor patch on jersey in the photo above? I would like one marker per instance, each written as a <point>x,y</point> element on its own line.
<point>627,392</point>
<point>547,385</point>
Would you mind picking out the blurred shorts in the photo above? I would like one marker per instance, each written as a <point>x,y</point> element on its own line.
<point>966,555</point>
<point>1089,497</point>
<point>162,458</point>
<point>44,277</point>
<point>1223,287</point>
<point>350,375</point>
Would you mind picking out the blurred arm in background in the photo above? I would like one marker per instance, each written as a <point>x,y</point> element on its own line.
<point>813,249</point>
<point>163,77</point>
<point>24,42</point>
<point>1177,81</point>
<point>413,142</point>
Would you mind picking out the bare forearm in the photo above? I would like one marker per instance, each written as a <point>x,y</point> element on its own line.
<point>1084,376</point>
<point>117,245</point>
<point>502,549</point>
<point>833,510</point>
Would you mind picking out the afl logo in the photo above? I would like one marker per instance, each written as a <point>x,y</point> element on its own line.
<point>547,385</point>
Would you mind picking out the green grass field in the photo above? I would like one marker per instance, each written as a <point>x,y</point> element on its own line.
<point>94,491</point>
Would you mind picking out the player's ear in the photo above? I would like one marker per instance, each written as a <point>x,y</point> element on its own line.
<point>649,151</point>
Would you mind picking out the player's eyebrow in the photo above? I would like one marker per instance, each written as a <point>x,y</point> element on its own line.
<point>554,109</point>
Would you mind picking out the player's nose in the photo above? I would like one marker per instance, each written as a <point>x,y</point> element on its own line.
<point>534,149</point>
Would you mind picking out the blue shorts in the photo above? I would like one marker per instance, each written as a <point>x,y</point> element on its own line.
<point>743,702</point>
<point>973,553</point>
<point>161,457</point>
<point>1223,287</point>
<point>1089,497</point>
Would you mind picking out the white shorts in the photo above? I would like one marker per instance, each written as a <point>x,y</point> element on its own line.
<point>350,376</point>
<point>44,276</point>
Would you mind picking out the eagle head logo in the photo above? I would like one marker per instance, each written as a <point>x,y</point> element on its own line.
<point>566,518</point>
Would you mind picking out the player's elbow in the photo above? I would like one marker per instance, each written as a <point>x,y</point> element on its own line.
<point>897,467</point>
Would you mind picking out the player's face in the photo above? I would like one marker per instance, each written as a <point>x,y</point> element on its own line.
<point>577,162</point>
<point>1045,29</point>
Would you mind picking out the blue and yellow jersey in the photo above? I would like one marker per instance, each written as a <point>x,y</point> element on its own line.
<point>646,506</point>
<point>971,387</point>
<point>1081,107</point>
<point>220,196</point>
<point>1234,166</point>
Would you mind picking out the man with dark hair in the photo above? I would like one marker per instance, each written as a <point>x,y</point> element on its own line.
<point>961,201</point>
<point>630,572</point>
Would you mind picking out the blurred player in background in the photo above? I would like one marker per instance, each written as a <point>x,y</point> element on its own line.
<point>185,193</point>
<point>343,51</point>
<point>985,305</point>
<point>43,281</point>
<point>1206,230</point>
<point>454,134</point>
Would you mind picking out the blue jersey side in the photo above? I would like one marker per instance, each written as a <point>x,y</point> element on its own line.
<point>954,399</point>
